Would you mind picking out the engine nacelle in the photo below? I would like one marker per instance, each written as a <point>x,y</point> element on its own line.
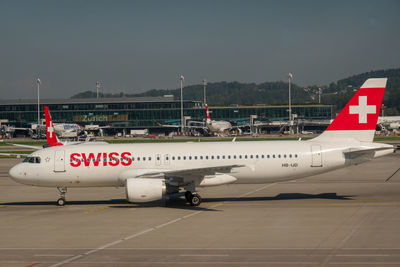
<point>144,189</point>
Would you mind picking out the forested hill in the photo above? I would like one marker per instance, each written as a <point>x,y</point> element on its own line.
<point>339,93</point>
<point>226,93</point>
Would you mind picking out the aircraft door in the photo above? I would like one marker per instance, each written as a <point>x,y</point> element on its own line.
<point>59,161</point>
<point>158,159</point>
<point>316,156</point>
<point>166,159</point>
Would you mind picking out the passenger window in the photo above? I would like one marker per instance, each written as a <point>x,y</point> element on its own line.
<point>290,155</point>
<point>133,158</point>
<point>245,156</point>
<point>234,156</point>
<point>295,155</point>
<point>229,156</point>
<point>212,157</point>
<point>284,155</point>
<point>190,157</point>
<point>149,158</point>
<point>279,156</point>
<point>206,157</point>
<point>201,157</point>
<point>240,156</point>
<point>144,158</point>
<point>173,157</point>
<point>223,157</point>
<point>251,156</point>
<point>273,156</point>
<point>138,158</point>
<point>262,156</point>
<point>184,157</point>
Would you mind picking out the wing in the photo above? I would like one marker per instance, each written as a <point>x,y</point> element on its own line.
<point>26,146</point>
<point>18,155</point>
<point>207,176</point>
<point>198,172</point>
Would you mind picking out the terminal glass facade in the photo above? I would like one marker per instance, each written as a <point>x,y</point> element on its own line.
<point>146,113</point>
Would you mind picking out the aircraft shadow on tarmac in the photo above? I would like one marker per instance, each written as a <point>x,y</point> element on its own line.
<point>282,196</point>
<point>179,202</point>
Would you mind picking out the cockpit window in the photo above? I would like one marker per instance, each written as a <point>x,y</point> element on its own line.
<point>32,160</point>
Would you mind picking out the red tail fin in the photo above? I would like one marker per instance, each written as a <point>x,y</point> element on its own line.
<point>358,118</point>
<point>208,114</point>
<point>50,134</point>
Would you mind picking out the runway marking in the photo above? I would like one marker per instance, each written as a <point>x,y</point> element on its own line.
<point>362,255</point>
<point>95,210</point>
<point>99,209</point>
<point>150,229</point>
<point>204,255</point>
<point>33,264</point>
<point>197,248</point>
<point>53,255</point>
<point>240,263</point>
<point>365,263</point>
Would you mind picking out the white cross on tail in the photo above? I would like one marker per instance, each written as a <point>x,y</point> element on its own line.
<point>50,129</point>
<point>362,109</point>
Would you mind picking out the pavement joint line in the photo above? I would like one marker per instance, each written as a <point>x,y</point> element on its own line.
<point>256,190</point>
<point>148,230</point>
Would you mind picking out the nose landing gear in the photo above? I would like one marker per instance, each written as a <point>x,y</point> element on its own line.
<point>63,191</point>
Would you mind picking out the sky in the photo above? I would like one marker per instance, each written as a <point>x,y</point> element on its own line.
<point>134,46</point>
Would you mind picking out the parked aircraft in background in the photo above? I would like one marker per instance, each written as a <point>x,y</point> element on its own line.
<point>390,123</point>
<point>151,171</point>
<point>217,127</point>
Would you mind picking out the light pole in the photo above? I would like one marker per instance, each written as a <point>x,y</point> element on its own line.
<point>181,78</point>
<point>97,88</point>
<point>205,97</point>
<point>290,76</point>
<point>38,82</point>
<point>319,95</point>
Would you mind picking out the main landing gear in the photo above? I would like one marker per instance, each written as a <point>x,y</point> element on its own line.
<point>61,201</point>
<point>194,199</point>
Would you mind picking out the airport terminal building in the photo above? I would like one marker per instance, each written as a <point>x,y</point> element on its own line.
<point>146,112</point>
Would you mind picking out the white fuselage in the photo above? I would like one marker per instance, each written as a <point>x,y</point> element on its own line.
<point>111,165</point>
<point>218,126</point>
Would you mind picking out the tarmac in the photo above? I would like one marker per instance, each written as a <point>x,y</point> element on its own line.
<point>349,217</point>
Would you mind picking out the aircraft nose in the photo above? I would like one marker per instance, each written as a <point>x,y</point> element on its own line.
<point>15,172</point>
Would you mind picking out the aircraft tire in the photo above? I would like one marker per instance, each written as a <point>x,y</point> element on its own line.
<point>61,202</point>
<point>195,200</point>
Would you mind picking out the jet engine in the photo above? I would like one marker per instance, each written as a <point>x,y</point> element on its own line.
<point>144,189</point>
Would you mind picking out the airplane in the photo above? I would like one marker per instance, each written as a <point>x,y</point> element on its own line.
<point>217,127</point>
<point>151,171</point>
